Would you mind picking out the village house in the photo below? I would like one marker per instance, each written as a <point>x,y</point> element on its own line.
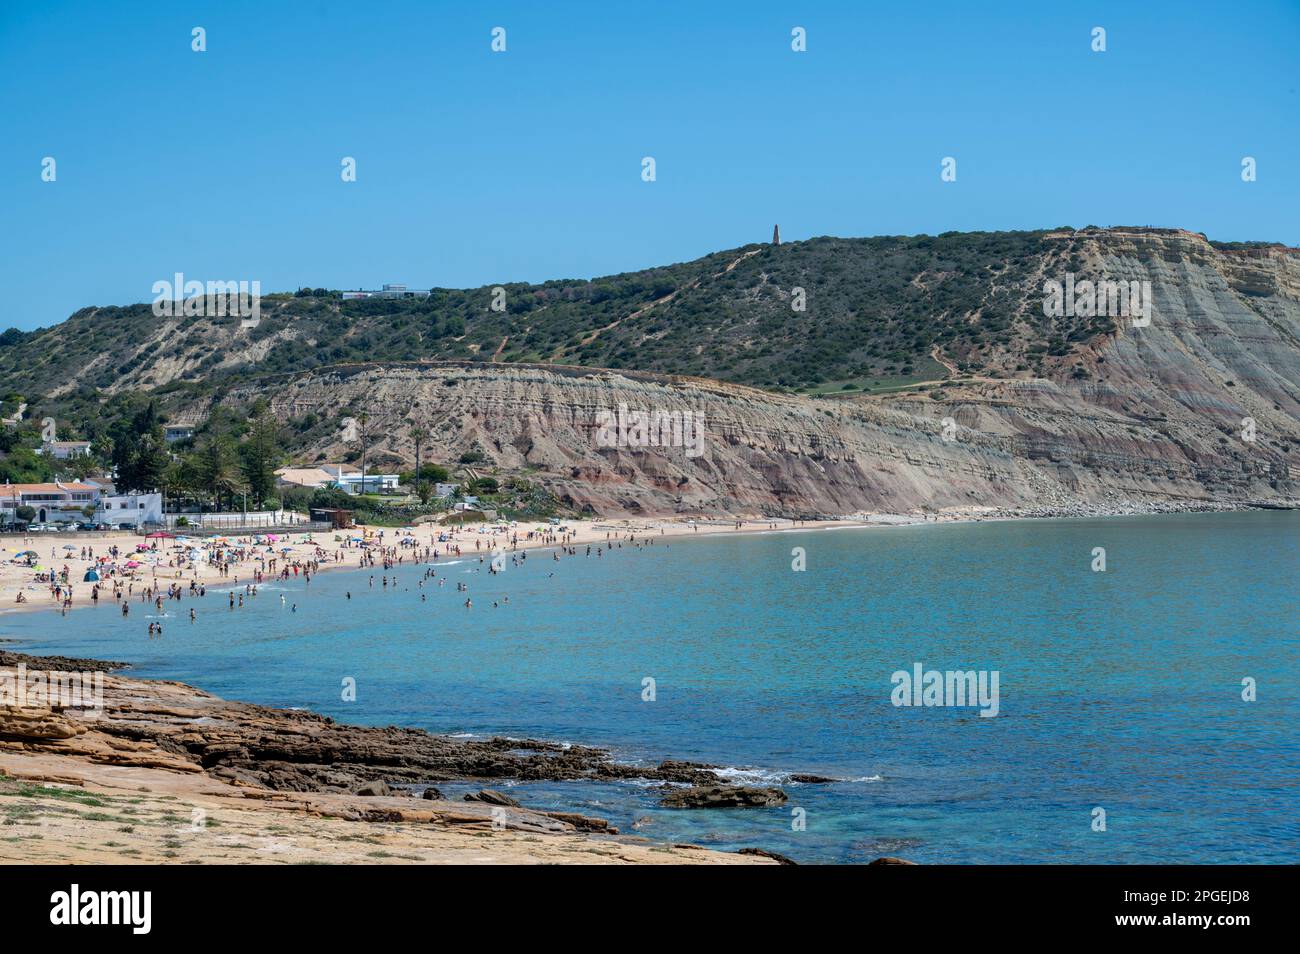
<point>55,502</point>
<point>65,450</point>
<point>347,479</point>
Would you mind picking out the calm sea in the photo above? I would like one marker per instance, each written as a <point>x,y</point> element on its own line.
<point>1119,690</point>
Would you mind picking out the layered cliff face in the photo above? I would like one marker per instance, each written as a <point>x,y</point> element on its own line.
<point>1200,406</point>
<point>1204,401</point>
<point>1014,446</point>
<point>899,335</point>
<point>761,453</point>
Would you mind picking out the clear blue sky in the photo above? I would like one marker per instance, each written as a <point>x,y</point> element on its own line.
<point>478,168</point>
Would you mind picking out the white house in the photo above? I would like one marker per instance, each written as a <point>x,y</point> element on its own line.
<point>370,484</point>
<point>65,450</point>
<point>347,479</point>
<point>55,502</point>
<point>117,509</point>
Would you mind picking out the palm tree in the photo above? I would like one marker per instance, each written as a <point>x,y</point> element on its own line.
<point>419,434</point>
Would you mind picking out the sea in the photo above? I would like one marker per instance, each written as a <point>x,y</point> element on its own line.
<point>1147,679</point>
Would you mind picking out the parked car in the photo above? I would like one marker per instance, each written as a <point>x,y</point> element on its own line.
<point>37,528</point>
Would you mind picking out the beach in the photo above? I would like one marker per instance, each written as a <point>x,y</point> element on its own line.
<point>770,680</point>
<point>163,561</point>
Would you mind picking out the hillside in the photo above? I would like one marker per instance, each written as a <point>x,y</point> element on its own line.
<point>899,333</point>
<point>876,310</point>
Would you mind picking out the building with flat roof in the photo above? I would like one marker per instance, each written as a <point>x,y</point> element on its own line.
<point>345,478</point>
<point>388,291</point>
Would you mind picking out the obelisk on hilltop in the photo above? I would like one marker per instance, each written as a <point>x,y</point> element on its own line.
<point>776,234</point>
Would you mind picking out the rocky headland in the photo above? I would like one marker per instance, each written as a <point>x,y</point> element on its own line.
<point>165,742</point>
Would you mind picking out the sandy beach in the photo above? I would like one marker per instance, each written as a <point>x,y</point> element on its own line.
<point>163,561</point>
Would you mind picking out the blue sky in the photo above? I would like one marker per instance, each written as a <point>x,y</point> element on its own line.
<point>477,168</point>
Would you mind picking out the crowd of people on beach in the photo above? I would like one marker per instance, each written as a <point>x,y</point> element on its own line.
<point>165,569</point>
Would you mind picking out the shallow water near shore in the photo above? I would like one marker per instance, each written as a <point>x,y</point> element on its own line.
<point>1120,689</point>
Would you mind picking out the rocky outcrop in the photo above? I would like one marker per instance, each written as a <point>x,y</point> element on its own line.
<point>177,727</point>
<point>721,796</point>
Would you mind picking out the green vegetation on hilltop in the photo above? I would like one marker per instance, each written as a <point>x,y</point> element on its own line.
<point>880,314</point>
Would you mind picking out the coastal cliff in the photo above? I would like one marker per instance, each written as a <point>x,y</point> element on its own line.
<point>1013,445</point>
<point>923,374</point>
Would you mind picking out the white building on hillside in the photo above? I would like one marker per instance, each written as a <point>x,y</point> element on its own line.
<point>65,450</point>
<point>388,291</point>
<point>345,478</point>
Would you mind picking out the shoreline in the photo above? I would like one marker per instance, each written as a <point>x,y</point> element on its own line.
<point>49,759</point>
<point>586,531</point>
<point>204,779</point>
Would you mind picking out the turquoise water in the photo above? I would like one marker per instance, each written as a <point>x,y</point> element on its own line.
<point>1119,690</point>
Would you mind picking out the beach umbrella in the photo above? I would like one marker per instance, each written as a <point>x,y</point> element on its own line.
<point>132,564</point>
<point>69,546</point>
<point>286,549</point>
<point>25,553</point>
<point>91,576</point>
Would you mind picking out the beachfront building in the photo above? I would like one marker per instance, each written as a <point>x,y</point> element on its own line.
<point>55,502</point>
<point>91,501</point>
<point>138,509</point>
<point>177,432</point>
<point>388,291</point>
